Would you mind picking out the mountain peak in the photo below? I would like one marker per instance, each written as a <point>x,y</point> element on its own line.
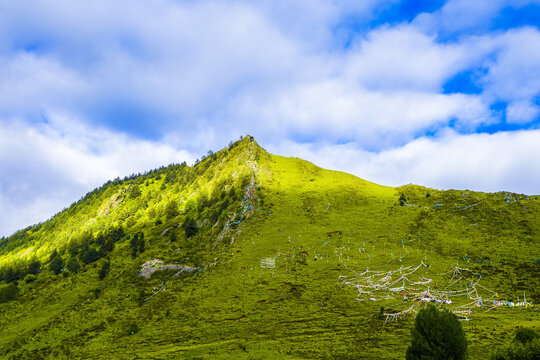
<point>250,254</point>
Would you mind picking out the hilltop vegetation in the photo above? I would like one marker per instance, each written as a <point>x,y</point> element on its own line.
<point>70,287</point>
<point>174,202</point>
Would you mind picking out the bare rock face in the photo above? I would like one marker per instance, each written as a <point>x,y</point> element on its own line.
<point>151,266</point>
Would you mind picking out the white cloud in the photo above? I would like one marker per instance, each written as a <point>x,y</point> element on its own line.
<point>404,58</point>
<point>172,56</point>
<point>196,74</point>
<point>481,162</point>
<point>30,83</point>
<point>312,23</point>
<point>461,16</point>
<point>515,73</point>
<point>179,67</point>
<point>334,111</point>
<point>484,162</point>
<point>458,15</point>
<point>507,65</point>
<point>47,168</point>
<point>521,112</point>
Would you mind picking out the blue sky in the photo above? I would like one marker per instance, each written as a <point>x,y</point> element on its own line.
<point>440,93</point>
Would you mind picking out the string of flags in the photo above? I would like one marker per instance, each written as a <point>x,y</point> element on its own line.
<point>458,290</point>
<point>249,202</point>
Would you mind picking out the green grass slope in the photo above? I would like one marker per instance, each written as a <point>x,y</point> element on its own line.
<point>226,218</point>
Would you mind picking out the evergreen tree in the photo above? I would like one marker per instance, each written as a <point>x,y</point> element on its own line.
<point>34,267</point>
<point>73,265</point>
<point>89,255</point>
<point>56,265</point>
<point>525,335</point>
<point>74,248</point>
<point>171,210</point>
<point>53,255</point>
<point>111,237</point>
<point>100,239</point>
<point>11,275</point>
<point>172,236</point>
<point>169,177</point>
<point>29,278</point>
<point>109,245</point>
<point>141,244</point>
<point>137,244</point>
<point>190,227</point>
<point>8,292</point>
<point>402,200</point>
<point>524,346</point>
<point>437,335</point>
<point>135,192</point>
<point>105,268</point>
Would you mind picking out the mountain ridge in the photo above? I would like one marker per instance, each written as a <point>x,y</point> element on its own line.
<point>275,247</point>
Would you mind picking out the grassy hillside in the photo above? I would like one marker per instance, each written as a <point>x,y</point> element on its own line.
<point>230,217</point>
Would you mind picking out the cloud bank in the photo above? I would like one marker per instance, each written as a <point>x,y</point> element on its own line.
<point>446,96</point>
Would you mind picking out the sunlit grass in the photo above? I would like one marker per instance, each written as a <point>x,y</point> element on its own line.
<point>316,224</point>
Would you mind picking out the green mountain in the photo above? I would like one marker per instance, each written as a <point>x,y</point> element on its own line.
<point>253,255</point>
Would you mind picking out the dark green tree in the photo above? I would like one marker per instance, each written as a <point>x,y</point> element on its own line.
<point>132,328</point>
<point>524,346</point>
<point>437,335</point>
<point>135,192</point>
<point>56,265</point>
<point>170,176</point>
<point>100,239</point>
<point>108,246</point>
<point>105,268</point>
<point>73,265</point>
<point>53,255</point>
<point>133,245</point>
<point>8,292</point>
<point>86,238</point>
<point>137,244</point>
<point>11,275</point>
<point>171,209</point>
<point>115,234</point>
<point>141,244</point>
<point>190,227</point>
<point>29,278</point>
<point>381,313</point>
<point>102,251</point>
<point>232,195</point>
<point>89,255</point>
<point>402,200</point>
<point>525,335</point>
<point>74,248</point>
<point>34,267</point>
